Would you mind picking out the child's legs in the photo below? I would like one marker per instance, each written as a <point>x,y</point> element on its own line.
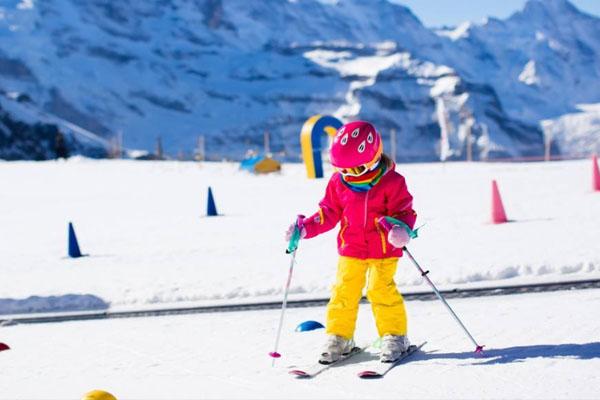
<point>345,297</point>
<point>387,303</point>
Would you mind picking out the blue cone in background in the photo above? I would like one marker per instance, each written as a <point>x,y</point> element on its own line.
<point>211,208</point>
<point>309,326</point>
<point>74,251</point>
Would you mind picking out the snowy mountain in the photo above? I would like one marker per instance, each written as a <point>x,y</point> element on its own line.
<point>232,69</point>
<point>27,133</point>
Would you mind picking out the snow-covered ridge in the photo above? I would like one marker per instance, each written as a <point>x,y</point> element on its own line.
<point>26,132</point>
<point>232,69</point>
<point>577,130</point>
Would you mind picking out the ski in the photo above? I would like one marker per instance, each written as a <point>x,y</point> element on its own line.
<point>318,368</point>
<point>384,368</point>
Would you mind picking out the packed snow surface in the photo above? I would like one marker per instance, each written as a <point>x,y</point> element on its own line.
<point>537,346</point>
<point>149,243</point>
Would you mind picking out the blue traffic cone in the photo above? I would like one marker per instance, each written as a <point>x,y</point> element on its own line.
<point>74,251</point>
<point>211,209</point>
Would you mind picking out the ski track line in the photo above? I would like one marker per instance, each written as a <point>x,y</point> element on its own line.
<point>453,293</point>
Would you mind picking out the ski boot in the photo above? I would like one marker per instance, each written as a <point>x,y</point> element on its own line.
<point>392,347</point>
<point>335,348</point>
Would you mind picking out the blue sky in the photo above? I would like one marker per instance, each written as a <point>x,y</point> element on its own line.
<point>453,12</point>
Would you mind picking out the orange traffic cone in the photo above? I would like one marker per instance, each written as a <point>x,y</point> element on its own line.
<point>596,175</point>
<point>498,214</point>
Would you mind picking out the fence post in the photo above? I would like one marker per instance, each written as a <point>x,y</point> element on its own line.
<point>267,143</point>
<point>547,146</point>
<point>200,151</point>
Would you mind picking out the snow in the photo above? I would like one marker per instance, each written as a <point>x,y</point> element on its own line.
<point>444,85</point>
<point>537,346</point>
<point>366,67</point>
<point>574,131</point>
<point>150,244</point>
<point>25,5</point>
<point>528,75</point>
<point>363,66</point>
<point>460,32</point>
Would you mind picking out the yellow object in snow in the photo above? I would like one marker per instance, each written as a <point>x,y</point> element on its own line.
<point>386,302</point>
<point>267,165</point>
<point>98,395</point>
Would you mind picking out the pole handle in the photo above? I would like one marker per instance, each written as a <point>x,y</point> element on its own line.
<point>388,223</point>
<point>295,239</point>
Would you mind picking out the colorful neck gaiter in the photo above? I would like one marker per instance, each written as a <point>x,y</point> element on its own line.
<point>366,181</point>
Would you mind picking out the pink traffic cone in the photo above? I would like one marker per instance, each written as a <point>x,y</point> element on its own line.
<point>596,175</point>
<point>498,214</point>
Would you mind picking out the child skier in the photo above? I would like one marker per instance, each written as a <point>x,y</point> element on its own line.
<point>364,189</point>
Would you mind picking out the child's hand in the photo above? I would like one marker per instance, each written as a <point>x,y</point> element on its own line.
<point>398,237</point>
<point>290,232</point>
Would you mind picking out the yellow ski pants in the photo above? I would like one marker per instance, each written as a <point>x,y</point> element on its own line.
<point>387,303</point>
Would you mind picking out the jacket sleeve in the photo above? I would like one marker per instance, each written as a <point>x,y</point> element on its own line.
<point>329,214</point>
<point>400,203</point>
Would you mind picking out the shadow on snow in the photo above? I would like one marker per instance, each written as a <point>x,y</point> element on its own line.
<point>584,351</point>
<point>41,304</point>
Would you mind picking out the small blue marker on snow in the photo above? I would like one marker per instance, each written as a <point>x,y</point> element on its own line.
<point>74,251</point>
<point>309,326</point>
<point>211,208</point>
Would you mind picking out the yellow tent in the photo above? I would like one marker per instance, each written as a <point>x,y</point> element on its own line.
<point>267,165</point>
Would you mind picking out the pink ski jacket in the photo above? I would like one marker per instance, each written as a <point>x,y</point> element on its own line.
<point>360,235</point>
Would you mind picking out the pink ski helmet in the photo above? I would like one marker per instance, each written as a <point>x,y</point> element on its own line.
<point>356,148</point>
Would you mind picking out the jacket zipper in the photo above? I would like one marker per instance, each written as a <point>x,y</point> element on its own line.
<point>365,222</point>
<point>366,201</point>
<point>381,236</point>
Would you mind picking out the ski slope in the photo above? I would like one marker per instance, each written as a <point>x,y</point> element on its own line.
<point>150,245</point>
<point>537,346</point>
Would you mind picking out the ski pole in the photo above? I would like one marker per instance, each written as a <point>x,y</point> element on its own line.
<point>478,348</point>
<point>292,247</point>
<point>387,223</point>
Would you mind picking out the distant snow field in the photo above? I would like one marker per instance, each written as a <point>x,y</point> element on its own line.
<point>150,244</point>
